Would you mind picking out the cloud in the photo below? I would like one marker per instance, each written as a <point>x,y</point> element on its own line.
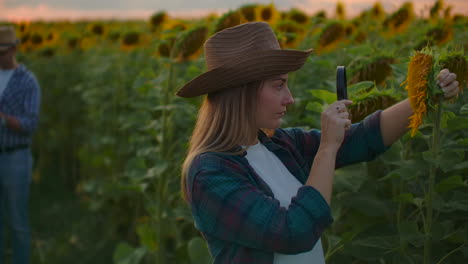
<point>140,10</point>
<point>45,12</point>
<point>354,7</point>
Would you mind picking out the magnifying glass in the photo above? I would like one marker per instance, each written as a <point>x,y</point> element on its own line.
<point>341,88</point>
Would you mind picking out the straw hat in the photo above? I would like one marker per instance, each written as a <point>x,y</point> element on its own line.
<point>242,54</point>
<point>7,37</point>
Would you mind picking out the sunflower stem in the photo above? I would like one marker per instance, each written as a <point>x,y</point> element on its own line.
<point>430,194</point>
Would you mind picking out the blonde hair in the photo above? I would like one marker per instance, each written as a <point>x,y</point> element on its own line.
<point>226,119</point>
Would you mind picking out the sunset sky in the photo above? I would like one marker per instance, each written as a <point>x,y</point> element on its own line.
<point>15,10</point>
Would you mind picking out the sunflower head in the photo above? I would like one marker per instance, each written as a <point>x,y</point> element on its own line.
<point>131,38</point>
<point>360,37</point>
<point>157,19</point>
<point>36,39</point>
<point>439,34</point>
<point>288,32</point>
<point>229,19</point>
<point>369,102</point>
<point>190,42</point>
<point>267,13</point>
<point>377,11</point>
<point>249,12</point>
<point>298,16</point>
<point>97,29</point>
<point>436,9</point>
<point>47,52</point>
<point>331,35</point>
<point>419,76</point>
<point>377,70</point>
<point>340,11</point>
<point>400,19</point>
<point>448,13</point>
<point>318,18</point>
<point>74,43</point>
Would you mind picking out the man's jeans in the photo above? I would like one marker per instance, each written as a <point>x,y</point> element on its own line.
<point>15,178</point>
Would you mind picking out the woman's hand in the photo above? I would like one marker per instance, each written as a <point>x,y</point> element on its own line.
<point>448,83</point>
<point>335,121</point>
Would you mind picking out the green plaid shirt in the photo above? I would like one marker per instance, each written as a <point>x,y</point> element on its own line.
<point>236,211</point>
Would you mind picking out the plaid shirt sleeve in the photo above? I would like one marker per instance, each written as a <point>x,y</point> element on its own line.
<point>226,205</point>
<point>362,142</point>
<point>30,106</point>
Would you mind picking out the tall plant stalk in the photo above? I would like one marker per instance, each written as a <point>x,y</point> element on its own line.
<point>432,174</point>
<point>164,154</point>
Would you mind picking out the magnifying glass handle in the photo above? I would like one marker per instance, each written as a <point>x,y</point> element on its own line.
<point>341,88</point>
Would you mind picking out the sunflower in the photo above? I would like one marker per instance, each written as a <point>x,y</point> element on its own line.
<point>436,9</point>
<point>377,70</point>
<point>97,29</point>
<point>340,11</point>
<point>377,11</point>
<point>249,12</point>
<point>399,20</point>
<point>268,13</point>
<point>298,16</point>
<point>157,19</point>
<point>190,43</point>
<point>229,19</point>
<point>369,102</point>
<point>419,70</point>
<point>440,34</point>
<point>331,35</point>
<point>288,33</point>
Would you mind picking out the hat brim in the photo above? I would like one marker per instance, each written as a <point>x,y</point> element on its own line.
<point>252,67</point>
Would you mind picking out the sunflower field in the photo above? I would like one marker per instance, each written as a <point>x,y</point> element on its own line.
<point>113,135</point>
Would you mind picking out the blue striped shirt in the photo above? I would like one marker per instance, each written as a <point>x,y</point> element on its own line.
<point>21,100</point>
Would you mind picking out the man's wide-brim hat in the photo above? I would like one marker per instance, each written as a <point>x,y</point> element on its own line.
<point>238,55</point>
<point>7,37</point>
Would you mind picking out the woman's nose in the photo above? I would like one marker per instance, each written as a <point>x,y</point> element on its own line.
<point>288,98</point>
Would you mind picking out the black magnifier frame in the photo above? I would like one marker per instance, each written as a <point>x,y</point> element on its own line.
<point>341,88</point>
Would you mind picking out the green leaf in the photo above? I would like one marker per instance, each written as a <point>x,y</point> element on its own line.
<point>198,251</point>
<point>405,172</point>
<point>418,202</point>
<point>147,235</point>
<point>126,254</point>
<point>447,115</point>
<point>404,198</point>
<point>360,86</point>
<point>372,248</point>
<point>448,159</point>
<point>315,107</point>
<point>409,232</point>
<point>368,204</point>
<point>380,242</point>
<point>460,166</point>
<point>464,109</point>
<point>449,183</point>
<point>457,123</point>
<point>350,178</point>
<point>324,95</point>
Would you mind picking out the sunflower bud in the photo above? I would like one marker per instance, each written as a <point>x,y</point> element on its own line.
<point>230,19</point>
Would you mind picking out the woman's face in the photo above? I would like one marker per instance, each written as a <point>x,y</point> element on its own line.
<point>272,101</point>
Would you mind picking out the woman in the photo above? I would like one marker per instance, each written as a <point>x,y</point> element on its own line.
<point>260,193</point>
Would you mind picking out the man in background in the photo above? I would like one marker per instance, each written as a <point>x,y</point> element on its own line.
<point>19,112</point>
